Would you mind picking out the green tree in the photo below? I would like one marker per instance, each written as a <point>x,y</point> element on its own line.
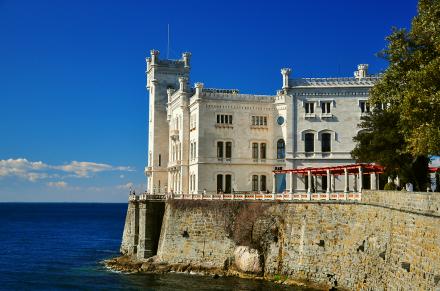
<point>380,141</point>
<point>411,83</point>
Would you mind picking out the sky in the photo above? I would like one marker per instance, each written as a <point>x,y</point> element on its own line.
<point>73,102</point>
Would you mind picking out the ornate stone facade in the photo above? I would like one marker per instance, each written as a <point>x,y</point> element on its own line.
<point>218,140</point>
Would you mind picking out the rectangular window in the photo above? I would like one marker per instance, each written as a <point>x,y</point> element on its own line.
<point>310,107</point>
<point>220,149</point>
<point>191,151</point>
<point>259,120</point>
<point>228,153</point>
<point>326,142</point>
<point>228,183</point>
<point>309,142</point>
<point>263,151</point>
<point>325,107</point>
<point>255,150</point>
<point>254,182</point>
<point>160,160</point>
<point>365,106</point>
<point>219,183</point>
<point>224,119</point>
<point>263,183</point>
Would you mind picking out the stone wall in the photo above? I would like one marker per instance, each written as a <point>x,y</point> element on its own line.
<point>421,202</point>
<point>375,245</point>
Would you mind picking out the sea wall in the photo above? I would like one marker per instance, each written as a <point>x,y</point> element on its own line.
<point>388,241</point>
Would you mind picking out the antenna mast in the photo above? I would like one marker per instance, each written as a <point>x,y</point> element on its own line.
<point>168,44</point>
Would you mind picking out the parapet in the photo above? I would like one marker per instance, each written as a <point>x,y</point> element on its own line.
<point>153,60</point>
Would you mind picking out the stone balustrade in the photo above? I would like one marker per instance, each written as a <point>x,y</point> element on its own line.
<point>252,196</point>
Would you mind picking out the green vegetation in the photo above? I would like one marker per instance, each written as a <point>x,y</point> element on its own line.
<point>406,131</point>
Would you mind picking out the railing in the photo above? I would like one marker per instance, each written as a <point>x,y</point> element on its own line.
<point>252,196</point>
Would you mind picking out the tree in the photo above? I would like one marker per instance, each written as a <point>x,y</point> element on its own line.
<point>380,141</point>
<point>411,83</point>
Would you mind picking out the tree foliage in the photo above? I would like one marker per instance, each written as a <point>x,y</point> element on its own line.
<point>411,83</point>
<point>402,135</point>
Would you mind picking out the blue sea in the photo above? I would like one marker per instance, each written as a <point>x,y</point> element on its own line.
<point>54,246</point>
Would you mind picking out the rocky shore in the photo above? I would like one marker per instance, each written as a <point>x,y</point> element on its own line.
<point>126,264</point>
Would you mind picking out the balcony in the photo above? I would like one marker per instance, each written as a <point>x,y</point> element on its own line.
<point>326,115</point>
<point>310,115</point>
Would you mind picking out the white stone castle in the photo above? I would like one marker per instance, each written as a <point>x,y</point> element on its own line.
<point>204,140</point>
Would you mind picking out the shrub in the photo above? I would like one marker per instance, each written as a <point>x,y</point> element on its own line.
<point>389,186</point>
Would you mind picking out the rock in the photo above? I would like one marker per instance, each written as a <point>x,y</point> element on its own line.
<point>247,260</point>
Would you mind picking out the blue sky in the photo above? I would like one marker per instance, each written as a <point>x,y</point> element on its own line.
<point>73,103</point>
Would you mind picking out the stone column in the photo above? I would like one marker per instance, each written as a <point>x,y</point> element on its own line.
<point>328,183</point>
<point>333,186</point>
<point>309,188</point>
<point>274,183</point>
<point>360,179</point>
<point>345,180</point>
<point>373,182</point>
<point>292,189</point>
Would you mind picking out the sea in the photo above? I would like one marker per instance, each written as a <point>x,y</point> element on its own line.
<point>60,246</point>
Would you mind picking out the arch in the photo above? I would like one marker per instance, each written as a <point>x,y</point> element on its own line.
<point>281,149</point>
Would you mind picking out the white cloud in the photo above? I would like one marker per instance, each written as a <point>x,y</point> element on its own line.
<point>126,186</point>
<point>33,171</point>
<point>59,184</point>
<point>85,169</point>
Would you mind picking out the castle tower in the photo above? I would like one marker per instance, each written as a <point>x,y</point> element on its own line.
<point>161,75</point>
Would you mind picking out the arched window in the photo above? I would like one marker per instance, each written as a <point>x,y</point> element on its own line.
<point>281,149</point>
<point>219,183</point>
<point>309,142</point>
<point>326,142</point>
<point>254,182</point>
<point>263,183</point>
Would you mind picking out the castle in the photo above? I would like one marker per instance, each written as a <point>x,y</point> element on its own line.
<point>205,140</point>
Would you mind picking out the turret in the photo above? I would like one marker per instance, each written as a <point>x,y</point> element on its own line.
<point>285,72</point>
<point>186,56</point>
<point>362,71</point>
<point>183,82</point>
<point>199,88</point>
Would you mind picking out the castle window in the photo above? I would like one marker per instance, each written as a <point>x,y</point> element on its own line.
<point>254,182</point>
<point>281,149</point>
<point>220,150</point>
<point>263,183</point>
<point>309,142</point>
<point>325,107</point>
<point>224,119</point>
<point>228,183</point>
<point>326,142</point>
<point>219,183</point>
<point>160,160</point>
<point>228,153</point>
<point>255,151</point>
<point>365,106</point>
<point>263,151</point>
<point>310,107</point>
<point>259,120</point>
